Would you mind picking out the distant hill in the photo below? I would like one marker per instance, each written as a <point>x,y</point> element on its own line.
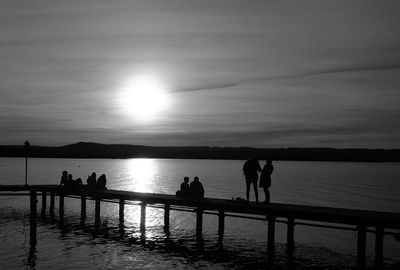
<point>96,150</point>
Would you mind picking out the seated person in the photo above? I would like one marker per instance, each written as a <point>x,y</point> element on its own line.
<point>73,183</point>
<point>64,179</point>
<point>91,180</point>
<point>101,182</point>
<point>196,188</point>
<point>184,191</point>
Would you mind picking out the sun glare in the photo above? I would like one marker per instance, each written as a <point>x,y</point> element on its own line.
<point>144,97</point>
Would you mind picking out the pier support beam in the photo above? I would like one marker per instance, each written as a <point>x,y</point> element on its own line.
<point>121,212</point>
<point>166,217</point>
<point>51,210</point>
<point>33,203</point>
<point>97,212</point>
<point>290,235</point>
<point>379,247</point>
<point>61,206</point>
<point>142,217</point>
<point>83,208</point>
<point>43,202</point>
<point>271,236</point>
<point>199,223</point>
<point>221,224</point>
<point>361,245</point>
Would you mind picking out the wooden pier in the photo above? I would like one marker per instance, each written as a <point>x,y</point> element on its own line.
<point>360,220</point>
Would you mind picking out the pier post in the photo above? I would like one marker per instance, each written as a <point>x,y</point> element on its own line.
<point>83,208</point>
<point>221,224</point>
<point>97,212</point>
<point>271,236</point>
<point>61,206</point>
<point>51,210</point>
<point>33,203</point>
<point>166,217</point>
<point>142,217</point>
<point>361,245</point>
<point>43,202</point>
<point>379,246</point>
<point>199,222</point>
<point>121,212</point>
<point>290,235</point>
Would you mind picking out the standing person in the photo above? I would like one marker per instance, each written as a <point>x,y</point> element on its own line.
<point>265,178</point>
<point>196,188</point>
<point>250,170</point>
<point>91,180</point>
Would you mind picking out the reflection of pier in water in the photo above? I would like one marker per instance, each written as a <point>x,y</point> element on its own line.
<point>357,220</point>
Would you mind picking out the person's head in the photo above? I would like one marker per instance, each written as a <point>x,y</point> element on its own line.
<point>186,179</point>
<point>69,176</point>
<point>196,179</point>
<point>93,174</point>
<point>64,173</point>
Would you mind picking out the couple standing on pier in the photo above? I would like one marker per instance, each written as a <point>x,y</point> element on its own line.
<point>250,170</point>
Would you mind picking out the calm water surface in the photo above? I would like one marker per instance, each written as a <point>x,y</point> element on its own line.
<point>370,186</point>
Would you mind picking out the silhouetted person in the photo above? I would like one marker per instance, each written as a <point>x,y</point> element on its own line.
<point>73,183</point>
<point>91,180</point>
<point>250,170</point>
<point>185,188</point>
<point>196,188</point>
<point>101,182</point>
<point>265,179</point>
<point>64,179</point>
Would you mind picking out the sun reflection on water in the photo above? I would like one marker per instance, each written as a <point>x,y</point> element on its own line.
<point>141,171</point>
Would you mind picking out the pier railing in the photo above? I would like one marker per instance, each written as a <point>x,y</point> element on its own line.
<point>362,221</point>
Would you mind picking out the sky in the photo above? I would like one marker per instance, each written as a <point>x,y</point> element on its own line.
<point>219,73</point>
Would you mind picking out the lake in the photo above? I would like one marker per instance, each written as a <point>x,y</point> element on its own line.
<point>369,186</point>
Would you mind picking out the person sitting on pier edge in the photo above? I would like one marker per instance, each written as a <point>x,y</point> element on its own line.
<point>196,188</point>
<point>185,189</point>
<point>250,170</point>
<point>265,179</point>
<point>73,183</point>
<point>101,182</point>
<point>64,179</point>
<point>91,180</point>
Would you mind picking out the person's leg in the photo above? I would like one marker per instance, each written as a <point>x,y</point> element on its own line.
<point>247,190</point>
<point>255,190</point>
<point>266,191</point>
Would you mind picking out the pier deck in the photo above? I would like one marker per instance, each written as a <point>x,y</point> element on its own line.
<point>361,219</point>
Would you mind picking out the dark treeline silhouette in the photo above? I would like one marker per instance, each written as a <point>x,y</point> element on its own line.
<point>95,150</point>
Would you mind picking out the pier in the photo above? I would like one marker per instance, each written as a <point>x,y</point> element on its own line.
<point>361,221</point>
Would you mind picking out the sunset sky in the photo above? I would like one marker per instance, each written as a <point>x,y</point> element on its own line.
<point>219,73</point>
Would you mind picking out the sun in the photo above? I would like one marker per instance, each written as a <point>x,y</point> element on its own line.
<point>144,97</point>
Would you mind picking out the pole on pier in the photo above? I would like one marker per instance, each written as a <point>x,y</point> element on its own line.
<point>142,217</point>
<point>43,202</point>
<point>26,147</point>
<point>361,245</point>
<point>379,247</point>
<point>166,217</point>
<point>51,210</point>
<point>121,212</point>
<point>61,206</point>
<point>290,235</point>
<point>33,203</point>
<point>97,212</point>
<point>199,222</point>
<point>221,224</point>
<point>83,207</point>
<point>271,236</point>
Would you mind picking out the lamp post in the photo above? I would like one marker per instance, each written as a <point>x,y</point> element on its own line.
<point>26,147</point>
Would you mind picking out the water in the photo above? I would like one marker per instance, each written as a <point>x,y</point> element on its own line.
<point>370,186</point>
